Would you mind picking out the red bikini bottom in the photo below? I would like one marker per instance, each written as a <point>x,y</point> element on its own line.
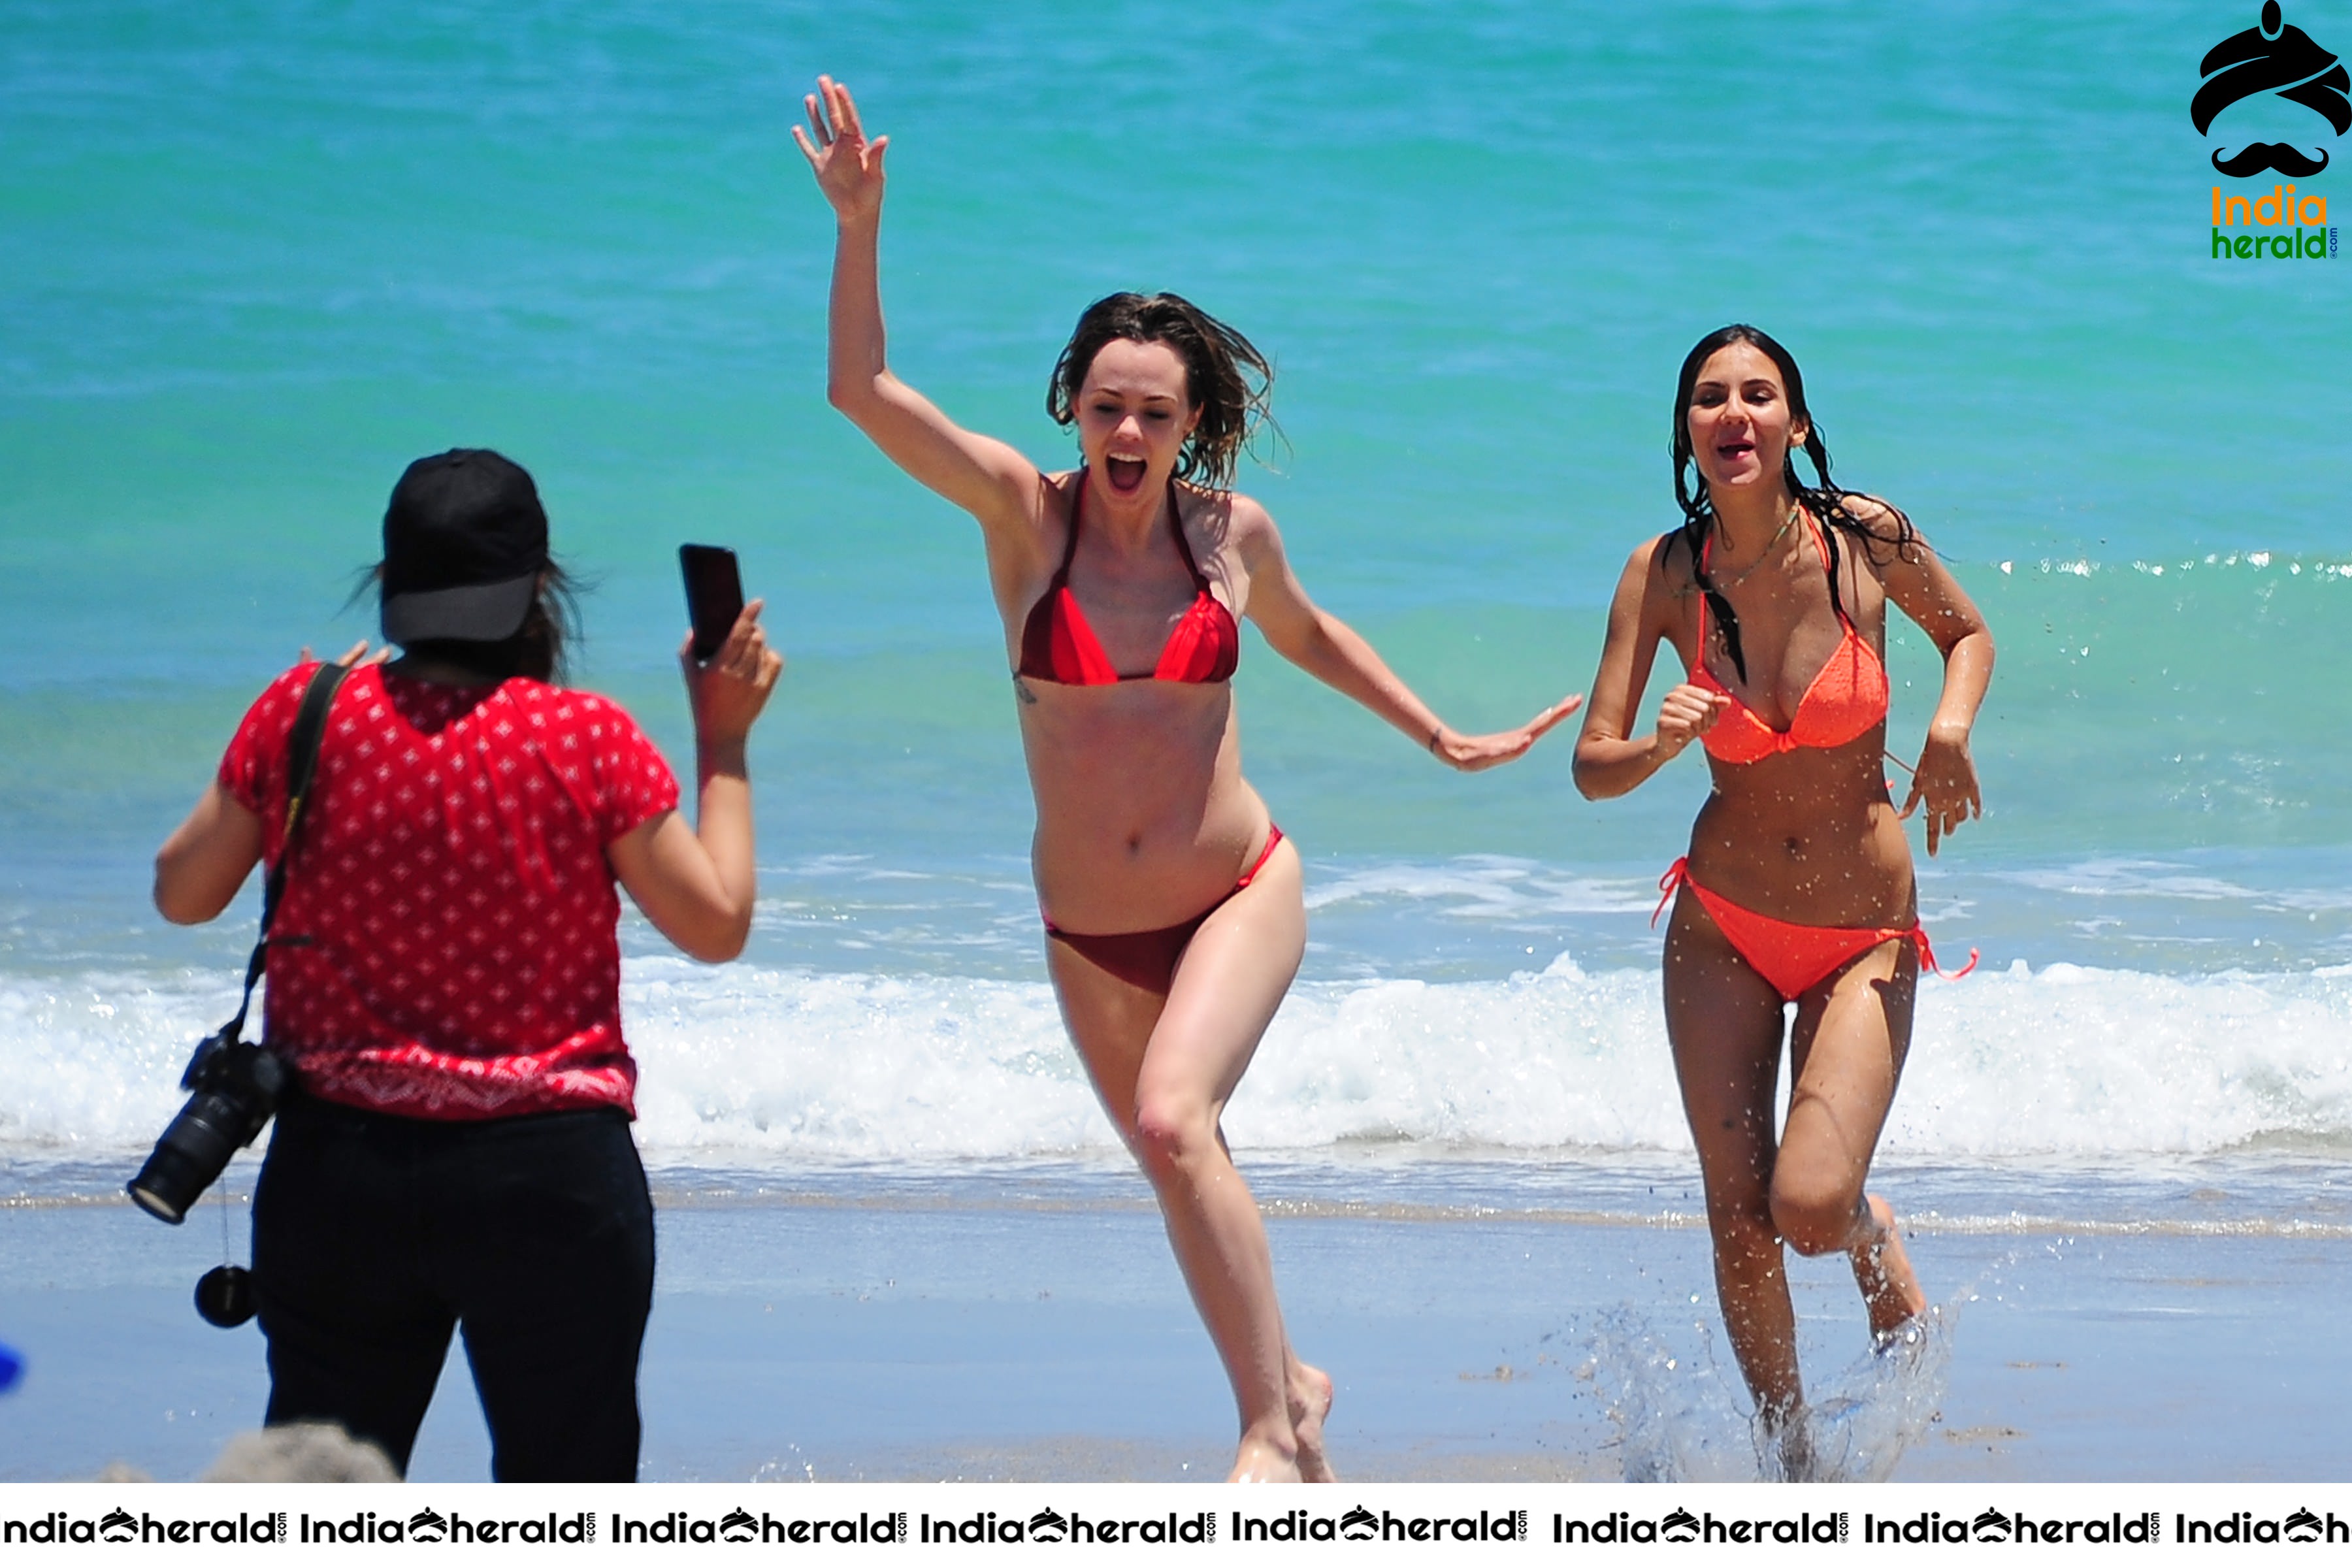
<point>1147,959</point>
<point>1793,958</point>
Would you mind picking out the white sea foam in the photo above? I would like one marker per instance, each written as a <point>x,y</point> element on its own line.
<point>2076,1061</point>
<point>94,1060</point>
<point>777,1065</point>
<point>1495,887</point>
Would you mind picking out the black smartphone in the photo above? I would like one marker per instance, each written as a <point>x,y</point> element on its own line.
<point>714,595</point>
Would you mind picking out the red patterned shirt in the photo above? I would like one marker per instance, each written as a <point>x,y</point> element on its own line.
<point>451,882</point>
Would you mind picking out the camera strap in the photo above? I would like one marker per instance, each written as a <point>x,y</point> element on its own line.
<point>301,763</point>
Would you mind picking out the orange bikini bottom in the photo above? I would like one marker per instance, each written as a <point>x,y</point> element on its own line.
<point>1794,958</point>
<point>1147,959</point>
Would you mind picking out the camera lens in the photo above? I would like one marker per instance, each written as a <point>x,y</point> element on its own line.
<point>191,1155</point>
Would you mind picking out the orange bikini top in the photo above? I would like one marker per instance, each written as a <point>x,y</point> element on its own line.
<point>1846,699</point>
<point>1057,646</point>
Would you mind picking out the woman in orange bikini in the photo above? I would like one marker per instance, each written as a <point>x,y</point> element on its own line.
<point>1798,886</point>
<point>1173,910</point>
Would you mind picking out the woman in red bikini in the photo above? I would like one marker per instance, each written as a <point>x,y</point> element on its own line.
<point>1798,886</point>
<point>1172,904</point>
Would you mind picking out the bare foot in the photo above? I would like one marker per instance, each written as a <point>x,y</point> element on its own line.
<point>1890,1291</point>
<point>1261,1460</point>
<point>1310,1402</point>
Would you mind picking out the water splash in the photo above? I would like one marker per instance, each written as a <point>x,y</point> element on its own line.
<point>1859,1425</point>
<point>1678,1418</point>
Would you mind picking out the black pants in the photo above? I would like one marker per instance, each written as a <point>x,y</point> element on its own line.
<point>373,1236</point>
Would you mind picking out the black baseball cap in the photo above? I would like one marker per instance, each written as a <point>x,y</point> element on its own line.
<point>465,540</point>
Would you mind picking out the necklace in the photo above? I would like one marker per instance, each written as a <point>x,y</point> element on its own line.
<point>1765,555</point>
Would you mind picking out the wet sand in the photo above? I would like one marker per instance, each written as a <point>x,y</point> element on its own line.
<point>984,1338</point>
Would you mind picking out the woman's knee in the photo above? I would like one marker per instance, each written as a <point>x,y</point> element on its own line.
<point>1815,1216</point>
<point>1173,1133</point>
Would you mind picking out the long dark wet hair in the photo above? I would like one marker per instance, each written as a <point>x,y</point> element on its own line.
<point>1826,500</point>
<point>1224,377</point>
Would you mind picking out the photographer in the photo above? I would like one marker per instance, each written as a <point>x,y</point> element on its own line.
<point>445,988</point>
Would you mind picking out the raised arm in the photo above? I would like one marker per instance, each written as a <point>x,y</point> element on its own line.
<point>1610,761</point>
<point>1329,649</point>
<point>985,476</point>
<point>699,885</point>
<point>1946,777</point>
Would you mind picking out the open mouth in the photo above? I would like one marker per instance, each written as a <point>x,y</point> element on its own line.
<point>1731,451</point>
<point>1125,474</point>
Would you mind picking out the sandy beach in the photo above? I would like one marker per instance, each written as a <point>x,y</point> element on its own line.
<point>1028,1327</point>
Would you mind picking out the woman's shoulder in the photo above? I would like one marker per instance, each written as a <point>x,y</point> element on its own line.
<point>270,715</point>
<point>1226,517</point>
<point>293,680</point>
<point>282,698</point>
<point>1665,562</point>
<point>1888,536</point>
<point>1055,497</point>
<point>564,702</point>
<point>259,750</point>
<point>568,723</point>
<point>1880,518</point>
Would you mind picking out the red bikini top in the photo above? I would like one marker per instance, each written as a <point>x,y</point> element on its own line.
<point>1845,699</point>
<point>1057,646</point>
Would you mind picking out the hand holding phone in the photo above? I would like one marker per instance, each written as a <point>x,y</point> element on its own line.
<point>727,694</point>
<point>714,595</point>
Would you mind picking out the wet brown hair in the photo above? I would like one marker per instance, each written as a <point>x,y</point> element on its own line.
<point>1224,377</point>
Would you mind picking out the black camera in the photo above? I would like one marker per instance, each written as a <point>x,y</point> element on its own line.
<point>234,1087</point>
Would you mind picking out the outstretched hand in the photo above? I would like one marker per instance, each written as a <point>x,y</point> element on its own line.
<point>848,167</point>
<point>1946,781</point>
<point>1475,753</point>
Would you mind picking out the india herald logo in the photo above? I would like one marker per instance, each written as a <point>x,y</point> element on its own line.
<point>2281,61</point>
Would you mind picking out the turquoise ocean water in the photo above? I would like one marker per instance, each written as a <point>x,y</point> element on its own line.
<point>255,258</point>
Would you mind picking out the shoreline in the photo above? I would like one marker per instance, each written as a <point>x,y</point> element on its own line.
<point>886,1339</point>
<point>1921,1222</point>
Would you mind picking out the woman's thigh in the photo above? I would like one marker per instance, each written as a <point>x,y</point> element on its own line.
<point>1110,1021</point>
<point>537,1209</point>
<point>351,1304</point>
<point>1229,984</point>
<point>1846,1054</point>
<point>550,1238</point>
<point>1724,1022</point>
<point>1196,1040</point>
